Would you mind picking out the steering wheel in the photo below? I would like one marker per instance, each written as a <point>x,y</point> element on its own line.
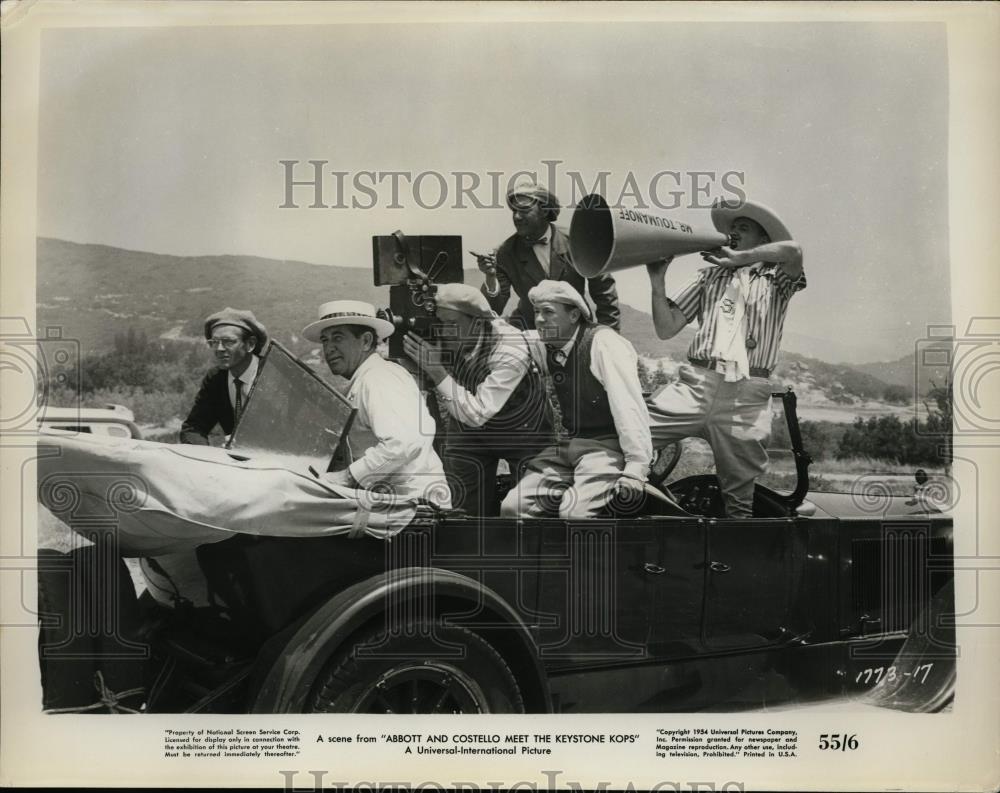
<point>666,460</point>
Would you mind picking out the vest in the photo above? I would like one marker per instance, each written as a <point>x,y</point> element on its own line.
<point>522,417</point>
<point>583,400</point>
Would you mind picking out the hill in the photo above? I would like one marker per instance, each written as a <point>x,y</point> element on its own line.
<point>924,370</point>
<point>95,292</point>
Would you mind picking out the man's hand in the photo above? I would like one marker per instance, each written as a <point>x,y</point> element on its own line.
<point>727,257</point>
<point>487,262</point>
<point>426,355</point>
<point>627,488</point>
<point>658,269</point>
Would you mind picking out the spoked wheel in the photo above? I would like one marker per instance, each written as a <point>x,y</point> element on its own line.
<point>424,688</point>
<point>663,464</point>
<point>449,670</point>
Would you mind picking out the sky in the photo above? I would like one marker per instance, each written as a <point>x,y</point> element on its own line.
<point>170,140</point>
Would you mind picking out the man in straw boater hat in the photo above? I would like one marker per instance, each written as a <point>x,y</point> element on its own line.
<point>390,407</point>
<point>490,388</point>
<point>724,395</point>
<point>602,426</point>
<point>236,339</point>
<point>538,251</point>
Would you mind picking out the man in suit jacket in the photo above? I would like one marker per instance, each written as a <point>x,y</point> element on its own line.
<point>536,252</point>
<point>236,339</point>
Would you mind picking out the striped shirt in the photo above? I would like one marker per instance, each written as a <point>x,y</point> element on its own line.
<point>767,303</point>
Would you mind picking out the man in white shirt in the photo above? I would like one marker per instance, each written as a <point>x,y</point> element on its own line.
<point>602,424</point>
<point>401,460</point>
<point>236,339</point>
<point>488,385</point>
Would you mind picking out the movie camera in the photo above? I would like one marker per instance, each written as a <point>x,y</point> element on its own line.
<point>412,267</point>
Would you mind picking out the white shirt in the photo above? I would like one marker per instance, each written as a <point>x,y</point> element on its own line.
<point>508,363</point>
<point>613,361</point>
<point>543,251</point>
<point>247,378</point>
<point>392,409</point>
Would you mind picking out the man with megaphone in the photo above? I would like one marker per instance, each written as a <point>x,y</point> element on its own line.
<point>723,393</point>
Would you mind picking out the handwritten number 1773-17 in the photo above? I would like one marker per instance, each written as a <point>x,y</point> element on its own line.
<point>893,675</point>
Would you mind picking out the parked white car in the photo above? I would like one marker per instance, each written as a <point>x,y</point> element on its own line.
<point>116,421</point>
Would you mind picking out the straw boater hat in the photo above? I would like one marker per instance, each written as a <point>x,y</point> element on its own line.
<point>347,312</point>
<point>526,191</point>
<point>464,299</point>
<point>725,212</point>
<point>558,292</point>
<point>238,318</point>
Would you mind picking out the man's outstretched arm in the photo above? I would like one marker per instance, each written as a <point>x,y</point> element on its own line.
<point>668,317</point>
<point>786,254</point>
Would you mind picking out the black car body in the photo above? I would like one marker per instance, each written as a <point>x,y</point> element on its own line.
<point>658,606</point>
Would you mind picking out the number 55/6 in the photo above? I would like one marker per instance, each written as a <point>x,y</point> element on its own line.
<point>838,741</point>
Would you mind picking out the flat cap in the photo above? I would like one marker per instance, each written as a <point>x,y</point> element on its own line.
<point>463,299</point>
<point>558,292</point>
<point>240,319</point>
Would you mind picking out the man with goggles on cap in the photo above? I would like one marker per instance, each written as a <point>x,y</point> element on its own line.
<point>538,251</point>
<point>490,388</point>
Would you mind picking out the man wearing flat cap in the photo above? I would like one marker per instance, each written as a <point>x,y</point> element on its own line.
<point>601,421</point>
<point>538,251</point>
<point>236,339</point>
<point>724,393</point>
<point>491,389</point>
<point>401,460</point>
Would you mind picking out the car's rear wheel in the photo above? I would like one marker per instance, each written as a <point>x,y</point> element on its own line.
<point>445,670</point>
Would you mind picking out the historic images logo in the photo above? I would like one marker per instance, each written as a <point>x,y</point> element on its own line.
<point>316,184</point>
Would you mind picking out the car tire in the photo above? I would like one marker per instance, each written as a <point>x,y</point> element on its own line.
<point>448,669</point>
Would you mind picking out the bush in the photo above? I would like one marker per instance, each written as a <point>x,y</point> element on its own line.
<point>888,438</point>
<point>897,395</point>
<point>156,380</point>
<point>821,439</point>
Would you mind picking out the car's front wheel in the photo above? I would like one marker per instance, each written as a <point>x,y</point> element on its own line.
<point>436,669</point>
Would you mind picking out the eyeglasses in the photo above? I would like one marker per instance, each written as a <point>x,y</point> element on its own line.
<point>226,343</point>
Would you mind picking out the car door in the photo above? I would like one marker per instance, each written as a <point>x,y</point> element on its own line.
<point>594,590</point>
<point>753,581</point>
<point>677,571</point>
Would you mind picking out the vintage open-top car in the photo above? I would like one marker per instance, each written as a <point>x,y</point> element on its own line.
<point>661,605</point>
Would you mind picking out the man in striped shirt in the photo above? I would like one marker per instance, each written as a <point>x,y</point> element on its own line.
<point>724,393</point>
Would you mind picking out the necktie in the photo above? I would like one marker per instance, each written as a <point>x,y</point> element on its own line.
<point>238,407</point>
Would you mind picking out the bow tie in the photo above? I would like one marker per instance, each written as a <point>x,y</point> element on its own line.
<point>539,241</point>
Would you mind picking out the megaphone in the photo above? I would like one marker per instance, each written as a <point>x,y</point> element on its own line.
<point>602,239</point>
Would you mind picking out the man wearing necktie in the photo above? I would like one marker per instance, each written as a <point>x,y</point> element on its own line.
<point>602,443</point>
<point>539,251</point>
<point>235,338</point>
